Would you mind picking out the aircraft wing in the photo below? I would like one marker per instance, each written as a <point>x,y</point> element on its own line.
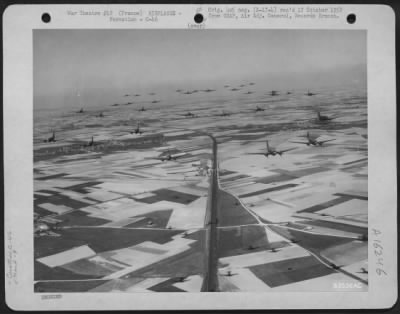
<point>327,141</point>
<point>255,153</point>
<point>286,150</point>
<point>298,142</point>
<point>178,155</point>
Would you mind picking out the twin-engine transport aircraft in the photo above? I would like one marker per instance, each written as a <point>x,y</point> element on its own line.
<point>272,151</point>
<point>188,115</point>
<point>52,138</point>
<point>324,118</point>
<point>170,156</point>
<point>137,130</point>
<point>312,140</point>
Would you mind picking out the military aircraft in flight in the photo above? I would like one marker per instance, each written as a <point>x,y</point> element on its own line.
<point>142,109</point>
<point>271,151</point>
<point>249,92</point>
<point>229,274</point>
<point>169,156</point>
<point>309,93</point>
<point>80,111</point>
<point>363,270</point>
<point>273,93</point>
<point>313,140</point>
<point>91,143</point>
<point>223,114</point>
<point>51,139</point>
<point>259,109</point>
<point>334,266</point>
<point>181,279</point>
<point>137,130</point>
<point>322,118</point>
<point>189,115</point>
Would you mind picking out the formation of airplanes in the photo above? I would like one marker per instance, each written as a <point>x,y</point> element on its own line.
<point>270,151</point>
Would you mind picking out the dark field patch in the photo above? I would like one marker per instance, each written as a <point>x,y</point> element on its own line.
<point>290,271</point>
<point>156,219</point>
<point>53,176</point>
<point>99,239</point>
<point>306,172</point>
<point>337,226</point>
<point>43,272</point>
<point>276,178</point>
<point>189,262</point>
<point>183,265</point>
<point>67,286</point>
<point>224,172</point>
<point>81,188</point>
<point>231,212</point>
<point>365,198</point>
<point>356,161</point>
<point>170,196</point>
<point>244,240</point>
<point>312,242</point>
<point>275,188</point>
<point>80,218</point>
<point>57,198</point>
<point>316,208</point>
<point>91,157</point>
<point>41,211</point>
<point>166,286</point>
<point>231,179</point>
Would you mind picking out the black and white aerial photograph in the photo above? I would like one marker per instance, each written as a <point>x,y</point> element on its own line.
<point>220,160</point>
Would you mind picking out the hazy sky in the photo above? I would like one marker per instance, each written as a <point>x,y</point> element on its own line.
<point>110,61</point>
